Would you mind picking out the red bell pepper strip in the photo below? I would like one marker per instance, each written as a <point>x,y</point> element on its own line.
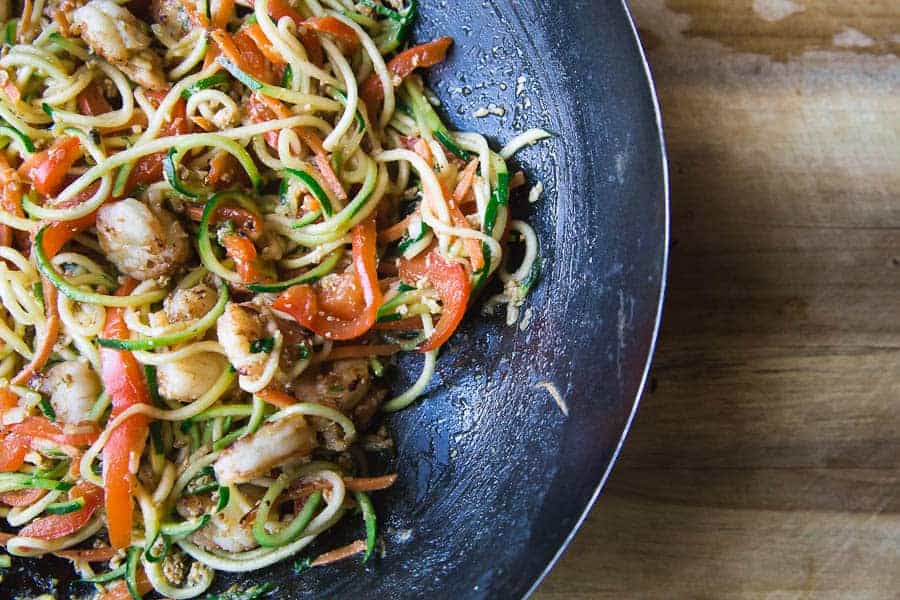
<point>148,169</point>
<point>249,224</point>
<point>53,527</point>
<point>82,434</point>
<point>281,8</point>
<point>22,497</point>
<point>242,251</point>
<point>423,55</point>
<point>124,381</point>
<point>340,295</point>
<point>13,449</point>
<point>91,101</point>
<point>451,281</point>
<point>301,302</point>
<point>47,169</point>
<point>342,33</point>
<point>8,400</point>
<point>242,50</point>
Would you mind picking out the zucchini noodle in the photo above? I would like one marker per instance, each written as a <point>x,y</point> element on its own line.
<point>218,226</point>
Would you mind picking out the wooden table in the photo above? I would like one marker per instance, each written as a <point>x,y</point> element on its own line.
<point>765,459</point>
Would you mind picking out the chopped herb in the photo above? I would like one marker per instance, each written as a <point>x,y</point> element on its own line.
<point>47,409</point>
<point>304,564</point>
<point>38,289</point>
<point>262,345</point>
<point>303,351</point>
<point>336,389</point>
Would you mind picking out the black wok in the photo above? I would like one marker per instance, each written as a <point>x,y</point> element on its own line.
<point>494,478</point>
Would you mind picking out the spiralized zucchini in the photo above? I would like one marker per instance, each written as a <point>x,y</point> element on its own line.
<point>217,227</point>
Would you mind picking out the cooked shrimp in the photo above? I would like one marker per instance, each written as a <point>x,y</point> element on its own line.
<point>237,329</point>
<point>273,445</point>
<point>189,304</point>
<point>172,17</point>
<point>73,388</point>
<point>345,386</point>
<point>187,379</point>
<point>115,34</point>
<point>141,242</point>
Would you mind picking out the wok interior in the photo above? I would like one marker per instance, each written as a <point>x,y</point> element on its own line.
<point>493,474</point>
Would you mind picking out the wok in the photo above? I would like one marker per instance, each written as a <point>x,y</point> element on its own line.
<point>494,477</point>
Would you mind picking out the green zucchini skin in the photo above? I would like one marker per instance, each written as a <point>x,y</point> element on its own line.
<point>151,343</point>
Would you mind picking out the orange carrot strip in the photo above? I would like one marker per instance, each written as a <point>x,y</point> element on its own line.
<point>50,334</point>
<point>311,139</point>
<point>395,231</point>
<point>473,246</point>
<point>262,42</point>
<point>223,14</point>
<point>347,551</point>
<point>276,398</point>
<point>369,484</point>
<point>465,182</point>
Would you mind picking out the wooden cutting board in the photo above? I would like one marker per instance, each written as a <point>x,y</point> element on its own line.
<point>765,459</point>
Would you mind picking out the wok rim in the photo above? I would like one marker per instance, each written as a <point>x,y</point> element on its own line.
<point>664,161</point>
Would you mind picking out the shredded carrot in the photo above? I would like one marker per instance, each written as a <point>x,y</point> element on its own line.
<point>465,182</point>
<point>24,28</point>
<point>262,42</point>
<point>363,351</point>
<point>311,139</point>
<point>310,203</point>
<point>212,53</point>
<point>369,484</point>
<point>51,332</point>
<point>197,17</point>
<point>202,122</point>
<point>357,547</point>
<point>276,398</point>
<point>422,148</point>
<point>473,246</point>
<point>395,231</point>
<point>101,554</point>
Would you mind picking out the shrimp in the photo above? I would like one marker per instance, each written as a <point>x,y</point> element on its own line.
<point>273,445</point>
<point>73,388</point>
<point>187,305</point>
<point>115,34</point>
<point>187,379</point>
<point>172,17</point>
<point>142,242</point>
<point>237,329</point>
<point>346,387</point>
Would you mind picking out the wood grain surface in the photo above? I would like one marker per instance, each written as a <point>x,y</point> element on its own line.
<point>765,460</point>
